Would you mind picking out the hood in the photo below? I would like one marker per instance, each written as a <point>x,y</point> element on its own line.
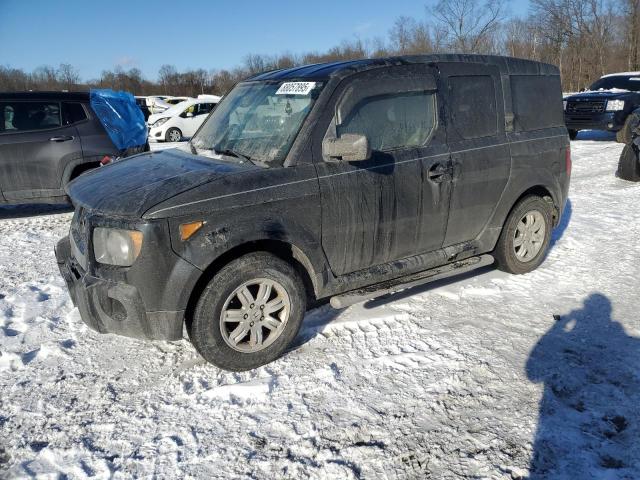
<point>130,187</point>
<point>613,94</point>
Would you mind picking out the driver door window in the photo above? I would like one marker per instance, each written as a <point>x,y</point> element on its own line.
<point>393,121</point>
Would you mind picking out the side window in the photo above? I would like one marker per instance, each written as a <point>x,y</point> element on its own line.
<point>72,113</point>
<point>27,116</point>
<point>530,113</point>
<point>205,108</point>
<point>473,106</point>
<point>6,121</point>
<point>393,121</point>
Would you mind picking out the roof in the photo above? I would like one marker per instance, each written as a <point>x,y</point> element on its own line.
<point>324,71</point>
<point>77,96</point>
<point>622,74</point>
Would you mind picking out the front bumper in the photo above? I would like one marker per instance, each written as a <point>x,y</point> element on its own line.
<point>157,134</point>
<point>109,306</point>
<point>608,121</point>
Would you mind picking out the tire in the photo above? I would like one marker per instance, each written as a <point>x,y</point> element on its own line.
<point>173,135</point>
<point>206,327</point>
<point>516,259</point>
<point>625,134</point>
<point>573,134</point>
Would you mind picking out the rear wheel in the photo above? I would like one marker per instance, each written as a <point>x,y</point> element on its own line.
<point>573,134</point>
<point>173,135</point>
<point>249,313</point>
<point>525,236</point>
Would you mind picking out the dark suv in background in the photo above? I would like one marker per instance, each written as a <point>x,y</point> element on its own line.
<point>605,105</point>
<point>46,140</point>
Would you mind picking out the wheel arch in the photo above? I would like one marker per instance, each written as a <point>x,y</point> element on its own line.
<point>282,249</point>
<point>545,194</point>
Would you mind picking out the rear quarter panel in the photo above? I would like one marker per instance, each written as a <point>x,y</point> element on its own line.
<point>538,160</point>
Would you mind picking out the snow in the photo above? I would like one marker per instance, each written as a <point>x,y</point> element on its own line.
<point>472,377</point>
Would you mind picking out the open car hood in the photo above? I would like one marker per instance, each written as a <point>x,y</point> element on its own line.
<point>130,187</point>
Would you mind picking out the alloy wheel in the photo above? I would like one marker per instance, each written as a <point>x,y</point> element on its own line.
<point>255,315</point>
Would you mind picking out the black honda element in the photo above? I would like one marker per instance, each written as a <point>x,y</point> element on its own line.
<point>338,181</point>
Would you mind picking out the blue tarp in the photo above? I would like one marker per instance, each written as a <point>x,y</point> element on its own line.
<point>121,117</point>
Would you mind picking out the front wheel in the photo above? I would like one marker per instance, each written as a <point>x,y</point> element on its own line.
<point>249,313</point>
<point>525,236</point>
<point>173,135</point>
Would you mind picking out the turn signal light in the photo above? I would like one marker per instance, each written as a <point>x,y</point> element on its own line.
<point>187,230</point>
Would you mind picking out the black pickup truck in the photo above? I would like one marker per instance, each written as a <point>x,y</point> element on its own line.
<point>605,105</point>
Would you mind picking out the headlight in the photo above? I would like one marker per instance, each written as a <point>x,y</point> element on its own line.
<point>114,246</point>
<point>615,105</point>
<point>160,122</point>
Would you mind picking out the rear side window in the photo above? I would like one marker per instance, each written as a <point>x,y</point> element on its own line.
<point>393,121</point>
<point>73,113</point>
<point>28,116</point>
<point>473,106</point>
<point>537,102</point>
<point>205,108</point>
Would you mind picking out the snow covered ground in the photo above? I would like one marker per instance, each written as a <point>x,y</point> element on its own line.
<point>478,377</point>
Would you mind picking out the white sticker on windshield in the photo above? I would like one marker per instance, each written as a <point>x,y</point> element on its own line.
<point>296,88</point>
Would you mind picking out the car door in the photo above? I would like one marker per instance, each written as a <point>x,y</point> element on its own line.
<point>480,153</point>
<point>192,118</point>
<point>202,112</point>
<point>395,204</point>
<point>34,148</point>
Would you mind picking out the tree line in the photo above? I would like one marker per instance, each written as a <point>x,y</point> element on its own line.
<point>584,38</point>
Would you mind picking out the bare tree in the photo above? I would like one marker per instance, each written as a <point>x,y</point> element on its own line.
<point>469,24</point>
<point>68,76</point>
<point>631,11</point>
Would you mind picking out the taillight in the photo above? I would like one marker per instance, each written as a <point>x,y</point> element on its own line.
<point>568,160</point>
<point>106,160</point>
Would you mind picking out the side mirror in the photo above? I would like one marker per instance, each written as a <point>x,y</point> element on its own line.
<point>349,147</point>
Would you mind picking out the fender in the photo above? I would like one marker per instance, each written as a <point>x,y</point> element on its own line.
<point>541,180</point>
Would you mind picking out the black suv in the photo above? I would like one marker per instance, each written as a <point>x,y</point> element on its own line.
<point>46,140</point>
<point>605,106</point>
<point>342,180</point>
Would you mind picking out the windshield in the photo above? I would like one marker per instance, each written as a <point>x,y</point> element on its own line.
<point>258,120</point>
<point>617,82</point>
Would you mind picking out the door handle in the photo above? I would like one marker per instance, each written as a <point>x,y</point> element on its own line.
<point>438,173</point>
<point>63,138</point>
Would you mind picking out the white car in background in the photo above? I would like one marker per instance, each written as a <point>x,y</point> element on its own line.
<point>181,120</point>
<point>160,105</point>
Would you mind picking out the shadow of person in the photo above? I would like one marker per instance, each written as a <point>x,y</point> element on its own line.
<point>588,424</point>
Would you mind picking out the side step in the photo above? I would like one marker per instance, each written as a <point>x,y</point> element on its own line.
<point>391,286</point>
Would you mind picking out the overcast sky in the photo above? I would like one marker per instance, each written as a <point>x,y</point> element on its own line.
<point>98,35</point>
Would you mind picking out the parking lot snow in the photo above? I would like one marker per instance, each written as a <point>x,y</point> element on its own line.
<point>485,376</point>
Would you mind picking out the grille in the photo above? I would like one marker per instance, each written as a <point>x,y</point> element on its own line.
<point>597,106</point>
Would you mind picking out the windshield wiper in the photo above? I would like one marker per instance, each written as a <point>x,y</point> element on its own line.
<point>194,150</point>
<point>232,153</point>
